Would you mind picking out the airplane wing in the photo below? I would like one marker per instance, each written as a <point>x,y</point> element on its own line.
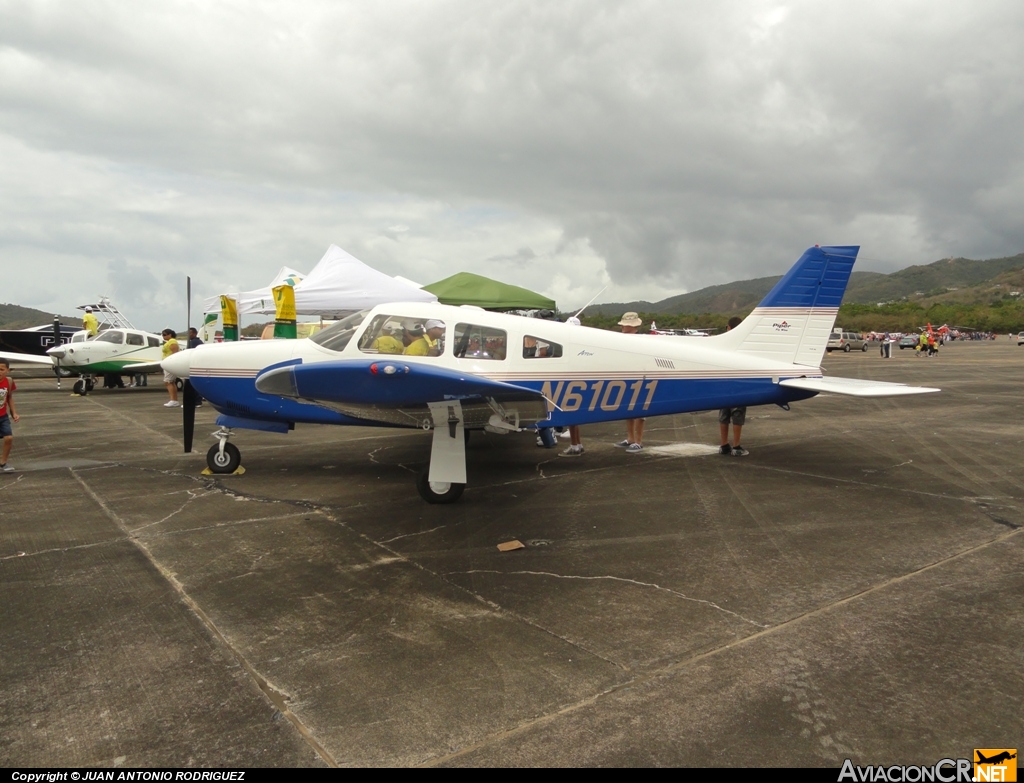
<point>393,392</point>
<point>26,358</point>
<point>143,367</point>
<point>856,387</point>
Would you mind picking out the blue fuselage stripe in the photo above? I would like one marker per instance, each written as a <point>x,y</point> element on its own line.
<point>577,401</point>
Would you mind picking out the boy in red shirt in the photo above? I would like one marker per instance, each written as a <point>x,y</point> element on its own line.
<point>7,414</point>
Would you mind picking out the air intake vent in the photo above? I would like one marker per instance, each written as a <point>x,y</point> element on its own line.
<point>666,363</point>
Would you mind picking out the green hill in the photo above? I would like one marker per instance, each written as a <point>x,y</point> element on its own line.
<point>951,279</point>
<point>14,316</point>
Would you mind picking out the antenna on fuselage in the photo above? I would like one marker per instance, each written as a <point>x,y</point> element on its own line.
<point>577,315</point>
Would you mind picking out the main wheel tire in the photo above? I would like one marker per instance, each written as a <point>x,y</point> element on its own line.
<point>434,492</point>
<point>846,348</point>
<point>227,462</point>
<point>79,387</point>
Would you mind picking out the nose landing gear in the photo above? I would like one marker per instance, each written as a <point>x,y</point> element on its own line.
<point>223,457</point>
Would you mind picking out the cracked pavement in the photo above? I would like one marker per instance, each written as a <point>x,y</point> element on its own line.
<point>850,589</point>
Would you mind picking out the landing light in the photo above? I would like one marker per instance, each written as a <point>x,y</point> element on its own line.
<point>387,369</point>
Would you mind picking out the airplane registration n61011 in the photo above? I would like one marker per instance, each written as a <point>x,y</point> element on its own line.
<point>452,369</point>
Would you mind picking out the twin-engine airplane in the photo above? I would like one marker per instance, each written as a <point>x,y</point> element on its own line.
<point>462,368</point>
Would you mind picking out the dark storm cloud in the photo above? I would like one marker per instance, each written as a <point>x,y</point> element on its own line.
<point>671,145</point>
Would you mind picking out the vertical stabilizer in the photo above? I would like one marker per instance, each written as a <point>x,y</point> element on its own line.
<point>794,321</point>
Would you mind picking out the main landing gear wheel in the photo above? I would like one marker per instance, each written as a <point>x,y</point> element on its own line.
<point>227,462</point>
<point>437,492</point>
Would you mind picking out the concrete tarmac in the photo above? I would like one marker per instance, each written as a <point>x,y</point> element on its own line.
<point>851,589</point>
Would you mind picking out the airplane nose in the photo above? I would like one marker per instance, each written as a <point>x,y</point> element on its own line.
<point>178,364</point>
<point>58,351</point>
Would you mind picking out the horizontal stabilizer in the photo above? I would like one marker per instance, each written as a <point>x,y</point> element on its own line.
<point>26,358</point>
<point>855,387</point>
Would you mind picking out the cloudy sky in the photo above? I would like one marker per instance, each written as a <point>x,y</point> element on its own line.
<point>653,147</point>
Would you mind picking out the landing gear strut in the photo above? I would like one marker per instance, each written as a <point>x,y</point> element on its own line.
<point>223,457</point>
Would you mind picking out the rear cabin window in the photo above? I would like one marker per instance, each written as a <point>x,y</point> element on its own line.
<point>539,348</point>
<point>111,337</point>
<point>480,342</point>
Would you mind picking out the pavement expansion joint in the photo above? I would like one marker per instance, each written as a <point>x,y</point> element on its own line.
<point>671,669</point>
<point>275,695</point>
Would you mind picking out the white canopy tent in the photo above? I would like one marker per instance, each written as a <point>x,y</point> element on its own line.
<point>260,295</point>
<point>339,283</point>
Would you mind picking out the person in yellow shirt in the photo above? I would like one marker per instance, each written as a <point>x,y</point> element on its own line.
<point>428,343</point>
<point>170,381</point>
<point>89,322</point>
<point>388,343</point>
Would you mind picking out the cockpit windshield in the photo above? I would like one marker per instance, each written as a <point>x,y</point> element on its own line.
<point>336,336</point>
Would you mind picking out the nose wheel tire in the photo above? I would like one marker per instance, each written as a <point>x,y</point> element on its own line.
<point>80,388</point>
<point>227,462</point>
<point>437,492</point>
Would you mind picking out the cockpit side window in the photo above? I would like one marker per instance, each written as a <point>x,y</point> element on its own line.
<point>400,334</point>
<point>480,342</point>
<point>540,348</point>
<point>111,337</point>
<point>135,339</point>
<point>78,338</point>
<point>337,336</point>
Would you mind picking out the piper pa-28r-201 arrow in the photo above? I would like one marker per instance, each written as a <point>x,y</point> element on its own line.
<point>464,368</point>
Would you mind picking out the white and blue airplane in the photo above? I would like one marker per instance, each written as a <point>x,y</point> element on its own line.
<point>505,373</point>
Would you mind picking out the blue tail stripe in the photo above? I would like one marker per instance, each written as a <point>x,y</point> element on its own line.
<point>818,279</point>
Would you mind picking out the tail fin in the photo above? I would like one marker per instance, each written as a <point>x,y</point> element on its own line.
<point>793,322</point>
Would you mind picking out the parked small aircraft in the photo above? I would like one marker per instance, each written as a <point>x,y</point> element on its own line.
<point>466,368</point>
<point>109,352</point>
<point>118,344</point>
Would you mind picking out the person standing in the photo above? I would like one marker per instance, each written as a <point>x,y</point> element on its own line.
<point>735,416</point>
<point>7,414</point>
<point>89,323</point>
<point>630,323</point>
<point>170,346</point>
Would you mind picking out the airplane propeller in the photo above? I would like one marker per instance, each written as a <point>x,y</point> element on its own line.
<point>188,414</point>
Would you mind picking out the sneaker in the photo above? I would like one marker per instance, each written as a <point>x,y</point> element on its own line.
<point>572,451</point>
<point>172,404</point>
<point>564,434</point>
<point>622,444</point>
<point>726,449</point>
<point>7,468</point>
<point>739,451</point>
<point>634,448</point>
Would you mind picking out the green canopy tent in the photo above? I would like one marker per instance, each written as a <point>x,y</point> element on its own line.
<point>467,288</point>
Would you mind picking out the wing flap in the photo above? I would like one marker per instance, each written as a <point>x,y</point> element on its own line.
<point>856,387</point>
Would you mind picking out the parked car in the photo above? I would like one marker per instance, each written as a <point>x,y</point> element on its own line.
<point>846,342</point>
<point>1020,339</point>
<point>909,341</point>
